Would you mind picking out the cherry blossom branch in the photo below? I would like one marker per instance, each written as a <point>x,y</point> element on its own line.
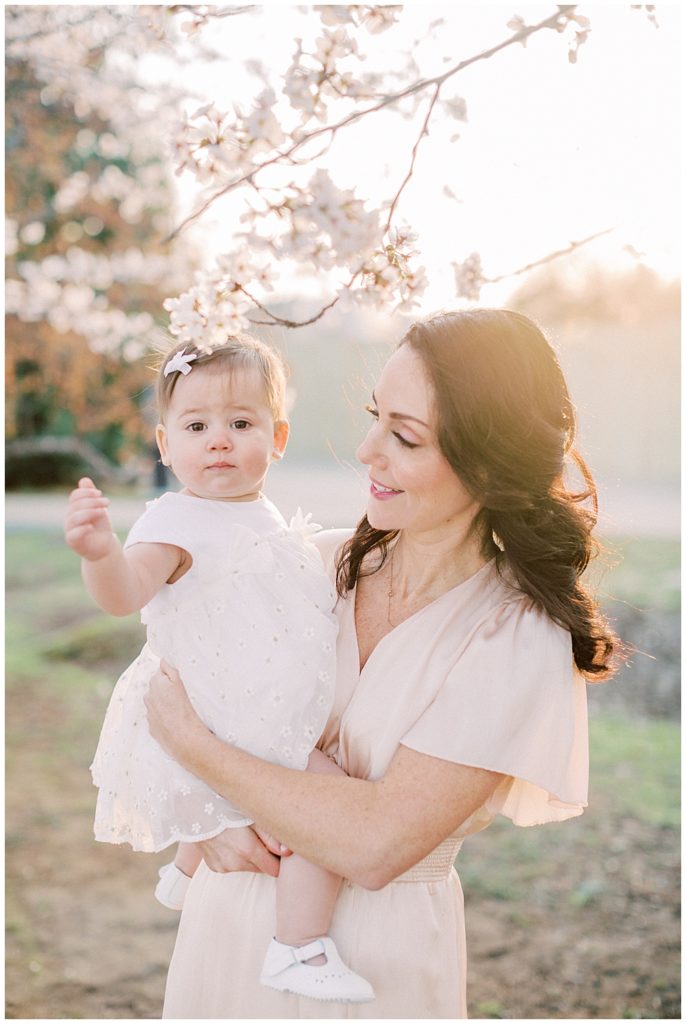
<point>481,281</point>
<point>218,12</point>
<point>282,321</point>
<point>415,149</point>
<point>553,21</point>
<point>547,259</point>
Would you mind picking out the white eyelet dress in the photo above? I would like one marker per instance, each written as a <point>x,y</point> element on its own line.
<point>250,628</point>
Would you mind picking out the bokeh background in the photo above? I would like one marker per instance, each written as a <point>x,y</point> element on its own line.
<point>579,920</point>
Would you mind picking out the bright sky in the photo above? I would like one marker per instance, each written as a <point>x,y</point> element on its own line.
<point>552,152</point>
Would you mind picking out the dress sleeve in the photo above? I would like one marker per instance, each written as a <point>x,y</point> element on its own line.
<point>329,543</point>
<point>514,703</point>
<point>159,524</point>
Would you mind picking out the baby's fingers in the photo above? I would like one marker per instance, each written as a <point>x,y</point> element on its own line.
<point>88,516</point>
<point>91,493</point>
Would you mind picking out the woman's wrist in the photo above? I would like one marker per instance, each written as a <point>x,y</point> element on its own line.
<point>192,738</point>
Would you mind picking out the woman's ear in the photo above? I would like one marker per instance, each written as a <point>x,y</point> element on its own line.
<point>281,432</point>
<point>161,438</point>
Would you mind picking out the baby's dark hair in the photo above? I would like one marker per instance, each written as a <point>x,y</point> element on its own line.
<point>240,351</point>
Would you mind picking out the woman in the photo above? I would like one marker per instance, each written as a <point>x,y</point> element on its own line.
<point>465,636</point>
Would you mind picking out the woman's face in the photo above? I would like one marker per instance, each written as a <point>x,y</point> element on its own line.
<point>412,485</point>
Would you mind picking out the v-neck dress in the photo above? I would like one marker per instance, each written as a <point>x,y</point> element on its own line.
<point>478,677</point>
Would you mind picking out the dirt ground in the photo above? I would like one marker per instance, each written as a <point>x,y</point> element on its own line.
<point>571,921</point>
<point>583,925</point>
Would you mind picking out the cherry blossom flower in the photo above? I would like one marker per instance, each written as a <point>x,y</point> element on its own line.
<point>469,277</point>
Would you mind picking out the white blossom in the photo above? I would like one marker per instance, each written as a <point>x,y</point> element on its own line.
<point>11,236</point>
<point>456,108</point>
<point>469,277</point>
<point>374,18</point>
<point>379,18</point>
<point>288,208</point>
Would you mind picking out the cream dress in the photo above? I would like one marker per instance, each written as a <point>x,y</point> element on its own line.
<point>478,677</point>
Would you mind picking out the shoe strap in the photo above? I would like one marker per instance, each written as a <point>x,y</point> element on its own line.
<point>283,956</point>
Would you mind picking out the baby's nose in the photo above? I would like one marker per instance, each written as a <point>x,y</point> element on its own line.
<point>219,438</point>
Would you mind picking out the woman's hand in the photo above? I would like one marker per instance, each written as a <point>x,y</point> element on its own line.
<point>172,720</point>
<point>243,849</point>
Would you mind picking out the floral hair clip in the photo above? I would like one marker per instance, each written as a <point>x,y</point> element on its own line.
<point>180,362</point>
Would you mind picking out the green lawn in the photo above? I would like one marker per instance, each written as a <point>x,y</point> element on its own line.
<point>598,875</point>
<point>57,635</point>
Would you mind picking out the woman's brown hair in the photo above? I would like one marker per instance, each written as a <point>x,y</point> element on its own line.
<point>506,425</point>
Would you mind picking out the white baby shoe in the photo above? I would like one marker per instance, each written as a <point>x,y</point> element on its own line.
<point>284,969</point>
<point>171,888</point>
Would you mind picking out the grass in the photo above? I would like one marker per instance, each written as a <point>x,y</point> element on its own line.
<point>55,634</point>
<point>63,656</point>
<point>642,572</point>
<point>635,768</point>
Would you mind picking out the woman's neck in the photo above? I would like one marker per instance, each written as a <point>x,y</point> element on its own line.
<point>429,565</point>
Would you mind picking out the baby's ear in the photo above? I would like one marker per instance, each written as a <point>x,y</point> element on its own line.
<point>161,438</point>
<point>281,431</point>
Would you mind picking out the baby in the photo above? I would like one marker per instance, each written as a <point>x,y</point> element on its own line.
<point>240,604</point>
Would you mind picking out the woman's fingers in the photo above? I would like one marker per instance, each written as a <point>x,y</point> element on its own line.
<point>272,844</point>
<point>238,849</point>
<point>169,671</point>
<point>263,860</point>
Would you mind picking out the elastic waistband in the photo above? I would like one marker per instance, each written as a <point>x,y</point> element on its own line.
<point>436,866</point>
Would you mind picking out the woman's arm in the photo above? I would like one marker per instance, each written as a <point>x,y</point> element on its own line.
<point>367,831</point>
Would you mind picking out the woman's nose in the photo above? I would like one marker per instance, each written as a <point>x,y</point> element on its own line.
<point>369,451</point>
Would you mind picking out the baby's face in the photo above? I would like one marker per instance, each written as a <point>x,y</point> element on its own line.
<point>219,436</point>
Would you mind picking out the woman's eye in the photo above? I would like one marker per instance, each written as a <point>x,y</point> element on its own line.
<point>404,442</point>
<point>240,424</point>
<point>399,437</point>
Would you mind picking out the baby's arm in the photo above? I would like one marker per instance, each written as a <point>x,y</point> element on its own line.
<point>120,581</point>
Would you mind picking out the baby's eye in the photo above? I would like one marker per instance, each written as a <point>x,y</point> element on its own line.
<point>196,427</point>
<point>374,412</point>
<point>240,424</point>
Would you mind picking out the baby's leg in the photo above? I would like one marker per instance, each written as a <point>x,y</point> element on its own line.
<point>306,893</point>
<point>188,858</point>
<point>305,900</point>
<point>175,877</point>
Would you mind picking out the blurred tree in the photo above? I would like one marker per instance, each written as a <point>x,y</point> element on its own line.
<point>582,292</point>
<point>85,262</point>
<point>102,100</point>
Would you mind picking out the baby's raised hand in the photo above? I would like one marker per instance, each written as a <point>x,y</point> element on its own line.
<point>87,527</point>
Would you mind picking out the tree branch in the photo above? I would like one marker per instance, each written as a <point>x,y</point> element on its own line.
<point>281,320</point>
<point>423,132</point>
<point>551,256</point>
<point>550,22</point>
<point>220,12</point>
<point>486,280</point>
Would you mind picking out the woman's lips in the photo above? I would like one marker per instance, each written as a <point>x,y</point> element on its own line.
<point>382,493</point>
